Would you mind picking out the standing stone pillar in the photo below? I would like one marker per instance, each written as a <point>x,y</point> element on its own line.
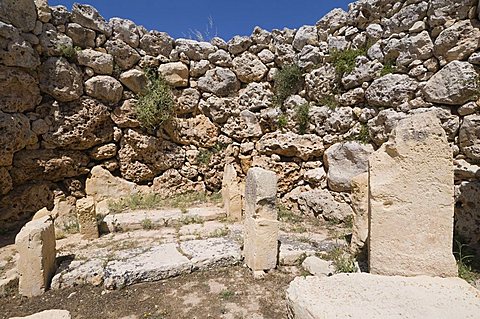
<point>360,217</point>
<point>411,201</point>
<point>87,218</point>
<point>36,265</point>
<point>231,193</point>
<point>261,224</point>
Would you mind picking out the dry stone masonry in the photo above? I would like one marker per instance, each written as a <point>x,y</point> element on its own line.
<point>411,201</point>
<point>69,82</point>
<point>261,226</point>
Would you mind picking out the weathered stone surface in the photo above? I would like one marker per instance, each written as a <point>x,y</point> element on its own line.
<point>458,42</point>
<point>87,217</point>
<point>35,244</point>
<point>261,194</point>
<point>50,165</point>
<point>333,20</point>
<point>62,80</point>
<point>360,211</point>
<point>442,11</point>
<point>211,253</point>
<point>48,314</point>
<point>260,246</point>
<point>364,71</point>
<point>321,82</point>
<point>102,185</point>
<point>219,81</point>
<point>469,136</point>
<point>187,101</point>
<point>306,146</point>
<point>249,68</point>
<point>88,16</point>
<point>142,157</point>
<point>104,88</point>
<point>43,10</point>
<point>406,17</point>
<point>79,125</point>
<point>198,68</point>
<point>53,43</point>
<point>454,84</point>
<point>156,43</point>
<point>125,30</point>
<point>5,181</point>
<point>345,161</point>
<point>322,203</point>
<point>21,13</point>
<point>125,116</point>
<point>198,131</point>
<point>134,80</point>
<point>239,44</point>
<point>103,152</point>
<point>318,267</point>
<point>382,125</point>
<point>417,160</point>
<point>194,50</point>
<point>221,58</point>
<point>82,37</point>
<point>15,50</point>
<point>19,91</point>
<point>359,296</point>
<point>467,212</point>
<point>231,193</point>
<point>175,73</point>
<point>261,226</point>
<point>306,35</point>
<point>255,96</point>
<point>124,55</point>
<point>101,63</point>
<point>391,90</point>
<point>16,134</point>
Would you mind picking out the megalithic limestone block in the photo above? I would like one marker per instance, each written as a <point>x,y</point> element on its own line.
<point>261,226</point>
<point>411,201</point>
<point>36,265</point>
<point>87,218</point>
<point>360,209</point>
<point>231,193</point>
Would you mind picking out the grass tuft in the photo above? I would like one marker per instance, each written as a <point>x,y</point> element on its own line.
<point>288,81</point>
<point>302,118</point>
<point>344,61</point>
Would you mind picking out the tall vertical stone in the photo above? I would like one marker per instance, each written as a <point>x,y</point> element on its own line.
<point>411,201</point>
<point>360,209</point>
<point>36,265</point>
<point>231,193</point>
<point>87,218</point>
<point>261,224</point>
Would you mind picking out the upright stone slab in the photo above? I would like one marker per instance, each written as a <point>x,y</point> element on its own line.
<point>36,265</point>
<point>360,209</point>
<point>231,194</point>
<point>87,218</point>
<point>412,201</point>
<point>261,224</point>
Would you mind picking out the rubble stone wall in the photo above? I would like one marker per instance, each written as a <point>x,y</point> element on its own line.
<point>68,83</point>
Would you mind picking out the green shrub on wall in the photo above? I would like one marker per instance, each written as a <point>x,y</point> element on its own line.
<point>344,61</point>
<point>156,103</point>
<point>288,81</point>
<point>302,118</point>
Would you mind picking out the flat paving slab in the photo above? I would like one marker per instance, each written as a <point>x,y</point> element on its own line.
<point>367,296</point>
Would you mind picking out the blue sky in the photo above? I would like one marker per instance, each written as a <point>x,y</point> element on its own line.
<point>230,17</point>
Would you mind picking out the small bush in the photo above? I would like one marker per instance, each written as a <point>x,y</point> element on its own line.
<point>282,121</point>
<point>363,135</point>
<point>288,81</point>
<point>302,118</point>
<point>329,101</point>
<point>155,105</point>
<point>68,52</point>
<point>344,61</point>
<point>205,155</point>
<point>147,224</point>
<point>388,68</point>
<point>343,262</point>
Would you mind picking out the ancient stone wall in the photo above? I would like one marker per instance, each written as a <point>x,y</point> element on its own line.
<point>68,83</point>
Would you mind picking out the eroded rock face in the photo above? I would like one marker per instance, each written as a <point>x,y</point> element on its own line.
<point>102,185</point>
<point>142,157</point>
<point>198,131</point>
<point>60,79</point>
<point>467,214</point>
<point>322,203</point>
<point>455,84</point>
<point>104,88</point>
<point>124,55</point>
<point>125,30</point>
<point>156,43</point>
<point>79,125</point>
<point>101,63</point>
<point>219,81</point>
<point>391,90</point>
<point>16,134</point>
<point>305,147</point>
<point>469,137</point>
<point>417,160</point>
<point>175,73</point>
<point>19,91</point>
<point>21,13</point>
<point>345,161</point>
<point>50,165</point>
<point>249,68</point>
<point>442,11</point>
<point>15,50</point>
<point>194,50</point>
<point>458,42</point>
<point>134,80</point>
<point>88,16</point>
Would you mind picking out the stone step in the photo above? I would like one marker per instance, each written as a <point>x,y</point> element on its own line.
<point>366,296</point>
<point>139,219</point>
